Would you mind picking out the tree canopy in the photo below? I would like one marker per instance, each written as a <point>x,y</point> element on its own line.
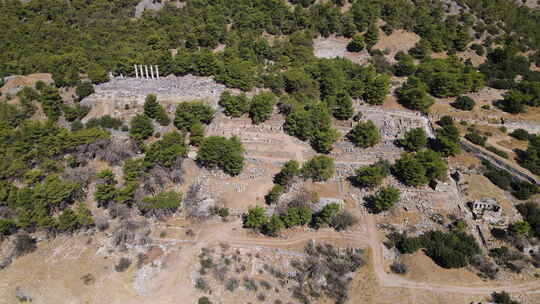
<point>357,44</point>
<point>364,134</point>
<point>234,105</point>
<point>154,110</point>
<point>163,203</point>
<point>449,77</point>
<point>452,249</point>
<point>319,168</point>
<point>190,113</point>
<point>414,139</point>
<point>141,127</point>
<point>261,107</point>
<point>223,153</point>
<point>417,169</point>
<point>413,95</point>
<point>166,151</point>
<point>289,170</point>
<point>530,159</point>
<point>371,176</point>
<point>255,218</point>
<point>464,103</point>
<point>383,200</point>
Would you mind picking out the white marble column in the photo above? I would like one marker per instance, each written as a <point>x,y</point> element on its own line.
<point>157,72</point>
<point>146,70</point>
<point>151,72</point>
<point>136,72</point>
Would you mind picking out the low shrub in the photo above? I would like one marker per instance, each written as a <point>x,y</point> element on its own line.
<point>497,151</point>
<point>476,139</point>
<point>24,244</point>
<point>398,267</point>
<point>520,134</point>
<point>464,103</point>
<point>452,249</point>
<point>232,284</point>
<point>123,265</point>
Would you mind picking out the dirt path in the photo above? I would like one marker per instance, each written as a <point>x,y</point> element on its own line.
<point>384,278</point>
<point>389,280</point>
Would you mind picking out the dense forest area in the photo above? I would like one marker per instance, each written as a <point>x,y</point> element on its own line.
<point>72,37</point>
<point>262,44</point>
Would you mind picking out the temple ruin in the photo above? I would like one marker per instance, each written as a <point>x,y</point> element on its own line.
<point>141,72</point>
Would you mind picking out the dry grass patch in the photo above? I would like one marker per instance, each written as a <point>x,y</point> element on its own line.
<point>399,40</point>
<point>422,268</point>
<point>480,187</point>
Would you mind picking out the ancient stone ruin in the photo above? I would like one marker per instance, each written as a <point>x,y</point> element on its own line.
<point>487,209</point>
<point>124,97</point>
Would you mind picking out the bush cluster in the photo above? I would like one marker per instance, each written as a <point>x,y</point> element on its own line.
<point>364,134</point>
<point>418,169</point>
<point>530,159</point>
<point>324,260</point>
<point>448,249</point>
<point>447,139</point>
<point>522,190</point>
<point>531,213</point>
<point>521,134</point>
<point>414,140</point>
<point>371,176</point>
<point>464,103</point>
<point>154,110</point>
<point>163,203</point>
<point>383,200</point>
<point>319,168</point>
<point>106,122</point>
<point>476,138</point>
<point>330,215</point>
<point>220,152</point>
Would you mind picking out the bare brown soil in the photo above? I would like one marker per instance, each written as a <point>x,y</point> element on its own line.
<point>399,40</point>
<point>15,82</point>
<point>476,59</point>
<point>480,187</point>
<point>422,268</point>
<point>484,97</point>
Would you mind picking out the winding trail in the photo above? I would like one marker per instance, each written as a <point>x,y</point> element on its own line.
<point>384,278</point>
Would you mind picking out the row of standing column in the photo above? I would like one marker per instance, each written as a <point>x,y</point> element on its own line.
<point>141,71</point>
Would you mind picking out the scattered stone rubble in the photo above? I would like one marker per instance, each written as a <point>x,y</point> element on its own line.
<point>488,210</point>
<point>22,295</point>
<point>124,96</point>
<point>528,246</point>
<point>324,201</point>
<point>397,122</point>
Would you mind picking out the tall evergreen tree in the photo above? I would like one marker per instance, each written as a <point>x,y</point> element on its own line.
<point>151,106</point>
